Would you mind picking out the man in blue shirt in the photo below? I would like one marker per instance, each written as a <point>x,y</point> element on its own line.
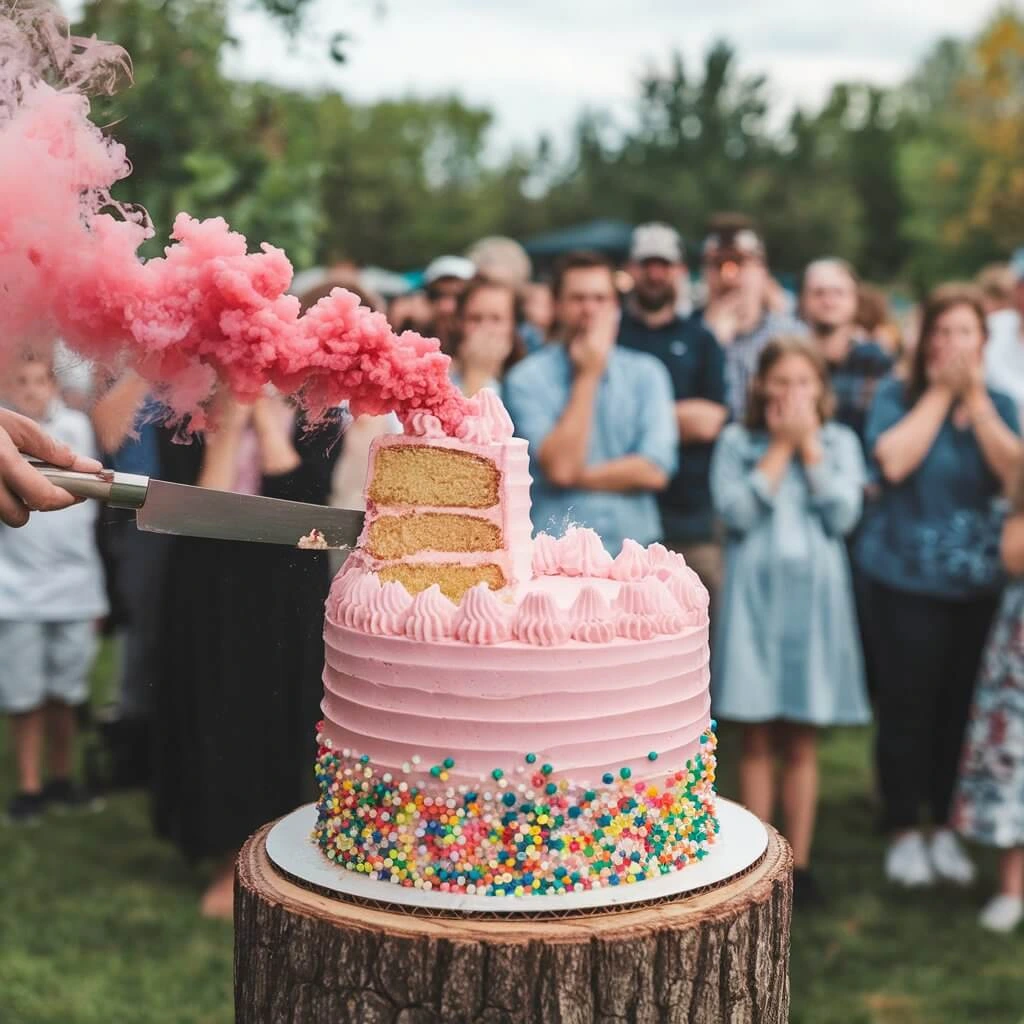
<point>696,365</point>
<point>599,419</point>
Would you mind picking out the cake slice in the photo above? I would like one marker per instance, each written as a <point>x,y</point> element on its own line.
<point>450,511</point>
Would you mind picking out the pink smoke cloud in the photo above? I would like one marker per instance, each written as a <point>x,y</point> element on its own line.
<point>209,311</point>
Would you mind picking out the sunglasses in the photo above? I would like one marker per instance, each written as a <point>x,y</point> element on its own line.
<point>739,244</point>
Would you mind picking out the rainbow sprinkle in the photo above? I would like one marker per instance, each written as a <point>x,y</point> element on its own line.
<point>551,837</point>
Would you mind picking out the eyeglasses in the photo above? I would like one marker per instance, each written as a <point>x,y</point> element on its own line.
<point>740,244</point>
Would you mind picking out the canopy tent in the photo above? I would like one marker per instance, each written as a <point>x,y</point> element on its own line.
<point>608,236</point>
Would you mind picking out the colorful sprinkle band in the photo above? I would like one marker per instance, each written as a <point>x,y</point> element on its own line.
<point>548,837</point>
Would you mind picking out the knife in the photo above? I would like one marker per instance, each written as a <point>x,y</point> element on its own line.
<point>164,507</point>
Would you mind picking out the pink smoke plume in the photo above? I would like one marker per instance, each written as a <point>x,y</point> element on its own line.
<point>209,311</point>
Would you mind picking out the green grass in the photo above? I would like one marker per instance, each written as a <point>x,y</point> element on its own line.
<point>99,923</point>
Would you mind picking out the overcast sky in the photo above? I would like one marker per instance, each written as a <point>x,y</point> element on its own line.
<point>537,62</point>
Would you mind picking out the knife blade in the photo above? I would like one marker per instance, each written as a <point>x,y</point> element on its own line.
<point>164,507</point>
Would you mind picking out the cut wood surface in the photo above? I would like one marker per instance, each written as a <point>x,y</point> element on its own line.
<point>302,957</point>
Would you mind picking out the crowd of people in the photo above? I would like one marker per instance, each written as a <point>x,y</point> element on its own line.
<point>849,489</point>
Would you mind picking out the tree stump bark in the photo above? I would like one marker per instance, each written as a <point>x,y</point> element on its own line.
<point>721,955</point>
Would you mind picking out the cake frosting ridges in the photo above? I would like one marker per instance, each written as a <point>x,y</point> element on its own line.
<point>557,666</point>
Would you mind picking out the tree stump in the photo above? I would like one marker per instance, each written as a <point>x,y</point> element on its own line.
<point>720,955</point>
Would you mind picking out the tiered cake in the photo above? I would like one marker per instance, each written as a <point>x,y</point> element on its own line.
<point>505,715</point>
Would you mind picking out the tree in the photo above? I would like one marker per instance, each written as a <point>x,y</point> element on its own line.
<point>961,169</point>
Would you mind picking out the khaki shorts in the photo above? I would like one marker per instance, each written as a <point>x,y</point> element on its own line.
<point>41,661</point>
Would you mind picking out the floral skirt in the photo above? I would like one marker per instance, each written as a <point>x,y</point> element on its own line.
<point>989,802</point>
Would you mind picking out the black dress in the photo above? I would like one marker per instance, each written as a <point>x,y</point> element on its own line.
<point>240,680</point>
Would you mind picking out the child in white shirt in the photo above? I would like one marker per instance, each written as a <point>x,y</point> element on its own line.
<point>51,594</point>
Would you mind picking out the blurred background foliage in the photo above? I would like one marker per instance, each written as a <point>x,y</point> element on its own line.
<point>914,184</point>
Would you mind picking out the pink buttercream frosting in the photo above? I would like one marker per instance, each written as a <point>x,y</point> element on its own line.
<point>487,420</point>
<point>587,704</point>
<point>424,424</point>
<point>554,608</point>
<point>631,563</point>
<point>660,557</point>
<point>581,553</point>
<point>591,617</point>
<point>690,594</point>
<point>482,618</point>
<point>635,627</point>
<point>429,617</point>
<point>546,555</point>
<point>539,621</point>
<point>389,607</point>
<point>356,602</point>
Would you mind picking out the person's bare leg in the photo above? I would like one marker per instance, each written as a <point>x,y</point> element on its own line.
<point>219,899</point>
<point>757,769</point>
<point>27,732</point>
<point>61,726</point>
<point>1011,872</point>
<point>800,789</point>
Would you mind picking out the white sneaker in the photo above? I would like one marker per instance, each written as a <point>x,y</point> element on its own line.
<point>949,860</point>
<point>907,862</point>
<point>1002,913</point>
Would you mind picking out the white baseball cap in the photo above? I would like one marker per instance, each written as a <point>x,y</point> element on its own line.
<point>656,242</point>
<point>449,266</point>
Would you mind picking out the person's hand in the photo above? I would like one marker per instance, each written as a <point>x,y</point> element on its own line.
<point>483,351</point>
<point>972,376</point>
<point>590,348</point>
<point>22,488</point>
<point>792,419</point>
<point>958,372</point>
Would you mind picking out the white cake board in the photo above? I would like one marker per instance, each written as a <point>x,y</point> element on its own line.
<point>741,842</point>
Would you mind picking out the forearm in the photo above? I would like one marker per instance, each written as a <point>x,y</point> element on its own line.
<point>277,453</point>
<point>1012,546</point>
<point>837,494</point>
<point>220,458</point>
<point>563,453</point>
<point>629,473</point>
<point>903,447</point>
<point>113,415</point>
<point>775,461</point>
<point>999,445</point>
<point>700,420</point>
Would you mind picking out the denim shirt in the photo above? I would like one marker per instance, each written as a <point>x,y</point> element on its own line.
<point>634,414</point>
<point>936,532</point>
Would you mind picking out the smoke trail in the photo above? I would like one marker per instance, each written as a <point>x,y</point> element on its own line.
<point>208,311</point>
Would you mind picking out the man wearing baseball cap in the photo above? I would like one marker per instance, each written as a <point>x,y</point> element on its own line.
<point>445,279</point>
<point>696,364</point>
<point>741,309</point>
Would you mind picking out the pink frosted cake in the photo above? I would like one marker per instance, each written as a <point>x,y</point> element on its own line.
<point>504,715</point>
